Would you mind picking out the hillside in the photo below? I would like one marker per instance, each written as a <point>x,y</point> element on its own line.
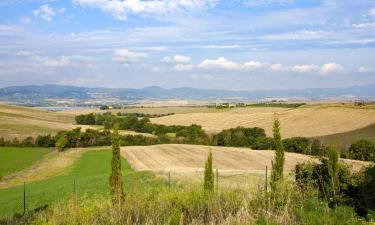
<point>308,121</point>
<point>20,122</point>
<point>48,94</point>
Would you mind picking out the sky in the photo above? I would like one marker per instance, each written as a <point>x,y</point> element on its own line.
<point>212,44</point>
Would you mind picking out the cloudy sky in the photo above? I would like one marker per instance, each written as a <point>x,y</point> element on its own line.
<point>226,44</point>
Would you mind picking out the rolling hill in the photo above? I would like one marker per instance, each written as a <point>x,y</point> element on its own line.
<point>39,95</point>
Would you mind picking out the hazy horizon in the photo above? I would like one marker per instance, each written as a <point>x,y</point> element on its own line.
<point>205,44</point>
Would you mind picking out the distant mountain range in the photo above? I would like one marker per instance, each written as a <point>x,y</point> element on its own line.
<point>40,94</point>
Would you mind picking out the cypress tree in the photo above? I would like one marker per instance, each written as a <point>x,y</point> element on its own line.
<point>115,179</point>
<point>208,174</point>
<point>278,164</point>
<point>333,171</point>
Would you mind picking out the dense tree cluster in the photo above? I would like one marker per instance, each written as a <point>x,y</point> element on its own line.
<point>254,138</point>
<point>193,134</point>
<point>297,145</point>
<point>77,138</point>
<point>144,114</point>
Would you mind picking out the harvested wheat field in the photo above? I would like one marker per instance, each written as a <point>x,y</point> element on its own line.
<point>20,122</point>
<point>191,158</point>
<point>308,121</point>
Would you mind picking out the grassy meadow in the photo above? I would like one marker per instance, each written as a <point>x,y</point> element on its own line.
<point>13,159</point>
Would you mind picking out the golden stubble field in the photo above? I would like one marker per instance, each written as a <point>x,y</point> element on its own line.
<point>191,158</point>
<point>307,121</point>
<point>237,167</point>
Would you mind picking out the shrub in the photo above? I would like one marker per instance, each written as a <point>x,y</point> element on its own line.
<point>61,143</point>
<point>363,150</point>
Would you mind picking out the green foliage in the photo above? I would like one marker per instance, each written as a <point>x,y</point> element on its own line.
<point>104,107</point>
<point>333,171</point>
<point>144,114</point>
<point>208,184</point>
<point>365,198</point>
<point>244,137</point>
<point>278,164</point>
<point>314,212</point>
<point>45,141</point>
<point>334,182</point>
<point>193,134</point>
<point>115,179</point>
<point>277,104</point>
<point>316,148</point>
<point>297,145</point>
<point>363,150</point>
<point>61,143</point>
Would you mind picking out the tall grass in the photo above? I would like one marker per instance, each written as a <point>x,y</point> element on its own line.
<point>195,206</point>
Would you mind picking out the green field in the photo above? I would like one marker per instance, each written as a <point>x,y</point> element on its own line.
<point>14,159</point>
<point>91,173</point>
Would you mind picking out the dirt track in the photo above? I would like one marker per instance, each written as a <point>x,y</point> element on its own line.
<point>191,158</point>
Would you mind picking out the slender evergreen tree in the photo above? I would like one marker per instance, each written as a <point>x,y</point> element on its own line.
<point>208,174</point>
<point>278,164</point>
<point>115,179</point>
<point>333,171</point>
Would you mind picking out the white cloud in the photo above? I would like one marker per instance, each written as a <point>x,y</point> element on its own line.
<point>277,67</point>
<point>304,68</point>
<point>330,68</point>
<point>372,11</point>
<point>177,59</point>
<point>219,63</point>
<point>364,25</point>
<point>218,46</point>
<point>223,63</point>
<point>181,59</point>
<point>363,69</point>
<point>46,12</point>
<point>125,56</point>
<point>183,67</point>
<point>298,35</point>
<point>121,8</point>
<point>252,65</point>
<point>156,48</point>
<point>267,2</point>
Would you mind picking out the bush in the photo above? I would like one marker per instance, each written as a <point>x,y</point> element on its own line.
<point>318,176</point>
<point>45,141</point>
<point>363,150</point>
<point>297,145</point>
<point>61,143</point>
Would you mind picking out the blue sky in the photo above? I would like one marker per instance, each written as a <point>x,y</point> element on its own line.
<point>232,44</point>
